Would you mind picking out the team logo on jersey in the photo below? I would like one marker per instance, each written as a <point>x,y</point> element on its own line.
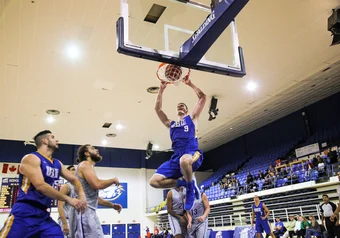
<point>52,172</point>
<point>179,123</point>
<point>111,193</point>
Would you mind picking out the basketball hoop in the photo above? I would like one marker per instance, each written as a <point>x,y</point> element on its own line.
<point>172,74</point>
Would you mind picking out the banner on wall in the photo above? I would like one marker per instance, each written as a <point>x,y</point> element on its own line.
<point>307,150</point>
<point>115,194</point>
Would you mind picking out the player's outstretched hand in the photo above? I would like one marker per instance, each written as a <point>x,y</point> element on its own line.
<point>187,80</point>
<point>117,207</point>
<point>80,206</point>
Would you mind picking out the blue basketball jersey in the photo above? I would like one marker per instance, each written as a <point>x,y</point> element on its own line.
<point>183,135</point>
<point>259,211</point>
<point>50,169</point>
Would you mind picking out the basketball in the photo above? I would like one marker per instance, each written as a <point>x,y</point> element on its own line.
<point>173,72</point>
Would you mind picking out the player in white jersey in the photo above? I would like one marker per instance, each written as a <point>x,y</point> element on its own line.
<point>175,208</point>
<point>64,208</point>
<point>198,218</point>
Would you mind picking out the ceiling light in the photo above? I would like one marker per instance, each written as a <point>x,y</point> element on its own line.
<point>152,90</point>
<point>73,52</point>
<point>104,142</point>
<point>251,86</point>
<point>50,119</point>
<point>230,128</point>
<point>111,135</point>
<point>156,147</point>
<point>119,126</point>
<point>53,112</point>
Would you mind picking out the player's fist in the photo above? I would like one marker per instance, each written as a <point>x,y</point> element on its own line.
<point>117,207</point>
<point>66,229</point>
<point>163,85</point>
<point>201,219</point>
<point>186,80</point>
<point>77,204</point>
<point>189,226</point>
<point>116,181</point>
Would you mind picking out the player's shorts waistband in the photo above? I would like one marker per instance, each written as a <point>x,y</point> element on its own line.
<point>35,204</point>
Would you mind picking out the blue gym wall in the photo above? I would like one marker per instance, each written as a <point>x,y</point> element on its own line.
<point>321,115</point>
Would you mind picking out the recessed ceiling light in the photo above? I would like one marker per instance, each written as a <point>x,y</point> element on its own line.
<point>156,147</point>
<point>50,119</point>
<point>53,112</point>
<point>251,86</point>
<point>152,90</point>
<point>104,142</point>
<point>111,135</point>
<point>230,128</point>
<point>119,126</point>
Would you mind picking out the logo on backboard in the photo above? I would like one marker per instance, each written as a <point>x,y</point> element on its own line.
<point>206,23</point>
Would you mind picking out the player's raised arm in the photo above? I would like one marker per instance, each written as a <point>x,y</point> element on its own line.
<point>201,99</point>
<point>158,106</point>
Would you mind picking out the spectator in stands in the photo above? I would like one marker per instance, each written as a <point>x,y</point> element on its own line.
<point>327,209</point>
<point>295,178</point>
<point>315,161</point>
<point>288,181</point>
<point>279,228</point>
<point>249,179</point>
<point>260,175</point>
<point>271,169</point>
<point>321,166</point>
<point>290,227</point>
<point>253,187</point>
<point>266,184</point>
<point>297,227</point>
<point>332,155</point>
<point>303,226</point>
<point>266,172</point>
<point>314,227</point>
<point>239,187</point>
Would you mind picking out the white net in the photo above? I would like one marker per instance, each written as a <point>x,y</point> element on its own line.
<point>172,74</point>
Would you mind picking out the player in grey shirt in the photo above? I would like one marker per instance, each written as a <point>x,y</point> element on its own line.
<point>175,205</point>
<point>64,208</point>
<point>198,218</point>
<point>88,224</point>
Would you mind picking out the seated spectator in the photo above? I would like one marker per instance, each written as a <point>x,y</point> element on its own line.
<point>313,228</point>
<point>289,180</point>
<point>279,228</point>
<point>266,184</point>
<point>260,175</point>
<point>290,227</point>
<point>304,224</point>
<point>250,178</point>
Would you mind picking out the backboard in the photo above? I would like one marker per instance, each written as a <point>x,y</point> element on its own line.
<point>184,33</point>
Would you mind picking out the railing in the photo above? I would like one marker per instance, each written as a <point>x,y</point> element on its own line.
<point>232,220</point>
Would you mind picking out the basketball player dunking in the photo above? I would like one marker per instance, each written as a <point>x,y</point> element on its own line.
<point>261,212</point>
<point>88,224</point>
<point>198,218</point>
<point>38,171</point>
<point>187,158</point>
